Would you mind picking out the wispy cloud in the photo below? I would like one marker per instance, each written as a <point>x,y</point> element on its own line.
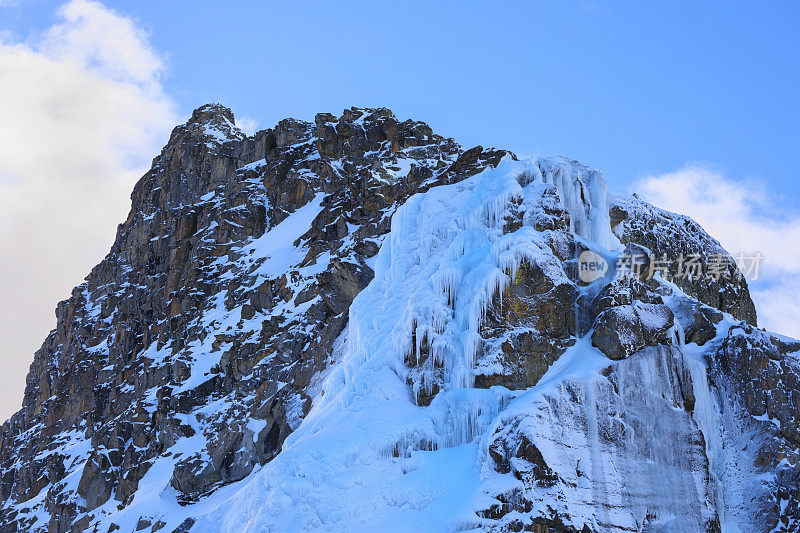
<point>86,112</point>
<point>247,125</point>
<point>744,217</point>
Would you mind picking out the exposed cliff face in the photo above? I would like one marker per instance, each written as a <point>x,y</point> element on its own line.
<point>671,236</point>
<point>393,304</point>
<point>615,452</point>
<point>224,290</point>
<point>755,377</point>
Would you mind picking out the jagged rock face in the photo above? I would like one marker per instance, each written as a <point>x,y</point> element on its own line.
<point>198,323</point>
<point>767,381</point>
<point>275,286</point>
<point>671,236</point>
<point>757,376</point>
<point>629,316</point>
<point>527,328</point>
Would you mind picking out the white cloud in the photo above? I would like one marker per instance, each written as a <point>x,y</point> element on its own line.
<point>744,218</point>
<point>247,125</point>
<point>83,114</point>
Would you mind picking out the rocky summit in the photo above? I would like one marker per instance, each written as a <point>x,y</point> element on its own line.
<point>356,324</point>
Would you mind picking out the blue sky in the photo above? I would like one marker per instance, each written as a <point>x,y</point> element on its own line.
<point>694,105</point>
<point>630,88</point>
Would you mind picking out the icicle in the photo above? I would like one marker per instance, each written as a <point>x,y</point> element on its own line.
<point>444,263</point>
<point>677,335</point>
<point>583,192</point>
<point>706,413</point>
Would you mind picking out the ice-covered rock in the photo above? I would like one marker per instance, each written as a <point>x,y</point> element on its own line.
<point>617,450</point>
<point>356,324</point>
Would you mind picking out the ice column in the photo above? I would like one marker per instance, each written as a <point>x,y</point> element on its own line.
<point>584,193</point>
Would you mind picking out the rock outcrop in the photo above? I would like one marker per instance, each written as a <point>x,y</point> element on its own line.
<point>618,452</point>
<point>264,293</point>
<point>676,240</point>
<point>226,286</point>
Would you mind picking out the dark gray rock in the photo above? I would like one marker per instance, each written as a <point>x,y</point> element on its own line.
<point>625,329</point>
<point>671,236</point>
<point>95,484</point>
<point>704,326</point>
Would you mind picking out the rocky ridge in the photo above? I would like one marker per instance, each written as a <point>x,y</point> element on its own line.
<point>204,338</point>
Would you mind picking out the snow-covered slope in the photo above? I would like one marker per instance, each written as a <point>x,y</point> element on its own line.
<point>357,325</point>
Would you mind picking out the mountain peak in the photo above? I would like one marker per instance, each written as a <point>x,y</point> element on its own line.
<point>210,123</point>
<point>427,301</point>
<point>211,113</point>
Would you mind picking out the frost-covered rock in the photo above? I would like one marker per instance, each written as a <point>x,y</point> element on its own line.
<point>354,323</point>
<point>526,328</point>
<point>756,376</point>
<point>615,451</point>
<point>625,329</point>
<point>198,336</point>
<point>672,236</point>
